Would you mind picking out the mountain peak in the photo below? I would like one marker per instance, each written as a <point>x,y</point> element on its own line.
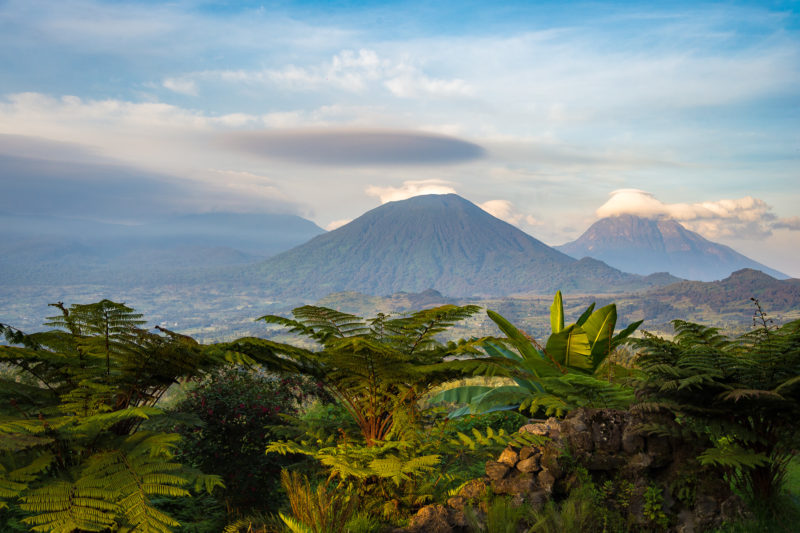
<point>444,242</point>
<point>643,245</point>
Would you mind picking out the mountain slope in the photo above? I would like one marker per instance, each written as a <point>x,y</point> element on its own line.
<point>56,250</point>
<point>435,241</point>
<point>641,245</point>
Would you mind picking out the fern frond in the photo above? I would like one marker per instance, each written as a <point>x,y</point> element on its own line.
<point>732,456</point>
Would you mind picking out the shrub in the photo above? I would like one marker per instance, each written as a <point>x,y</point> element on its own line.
<point>238,413</point>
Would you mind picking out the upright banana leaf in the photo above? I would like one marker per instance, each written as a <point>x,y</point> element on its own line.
<point>557,314</point>
<point>570,348</point>
<point>599,328</point>
<point>578,348</point>
<point>515,336</point>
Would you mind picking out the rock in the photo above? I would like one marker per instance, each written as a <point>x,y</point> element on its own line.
<point>509,457</point>
<point>636,466</point>
<point>632,442</point>
<point>658,449</point>
<point>546,480</point>
<point>607,430</point>
<point>577,434</point>
<point>705,510</point>
<point>496,471</point>
<point>473,490</point>
<point>686,522</point>
<point>531,464</point>
<point>519,484</point>
<point>553,428</point>
<point>430,519</point>
<point>550,461</point>
<point>457,502</point>
<point>536,429</point>
<point>527,451</point>
<point>605,461</point>
<point>458,520</point>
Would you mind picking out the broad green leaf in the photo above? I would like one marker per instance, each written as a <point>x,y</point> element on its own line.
<point>520,342</point>
<point>465,394</point>
<point>557,314</point>
<point>625,333</point>
<point>495,350</point>
<point>500,398</point>
<point>535,367</point>
<point>599,328</point>
<point>586,314</point>
<point>570,348</point>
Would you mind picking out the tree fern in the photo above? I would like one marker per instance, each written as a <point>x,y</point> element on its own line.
<point>377,368</point>
<point>736,395</point>
<point>71,453</point>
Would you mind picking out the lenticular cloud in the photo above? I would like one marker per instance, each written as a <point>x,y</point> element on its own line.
<point>746,217</point>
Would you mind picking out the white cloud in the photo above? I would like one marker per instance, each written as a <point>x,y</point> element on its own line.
<point>745,217</point>
<point>409,189</point>
<point>351,71</point>
<point>790,223</point>
<point>332,225</point>
<point>505,210</point>
<point>181,86</point>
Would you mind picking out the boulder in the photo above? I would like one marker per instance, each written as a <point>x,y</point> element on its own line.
<point>531,464</point>
<point>518,484</point>
<point>430,519</point>
<point>509,457</point>
<point>496,471</point>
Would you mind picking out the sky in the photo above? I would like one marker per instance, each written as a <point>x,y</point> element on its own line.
<point>549,115</point>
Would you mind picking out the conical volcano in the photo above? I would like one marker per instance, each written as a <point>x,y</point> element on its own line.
<point>643,245</point>
<point>442,242</point>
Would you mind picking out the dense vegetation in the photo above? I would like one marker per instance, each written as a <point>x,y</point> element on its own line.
<point>106,426</point>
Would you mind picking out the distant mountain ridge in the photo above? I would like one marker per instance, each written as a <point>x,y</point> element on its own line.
<point>442,242</point>
<point>65,251</point>
<point>643,246</point>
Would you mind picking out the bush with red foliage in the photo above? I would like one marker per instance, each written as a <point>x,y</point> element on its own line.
<point>240,411</point>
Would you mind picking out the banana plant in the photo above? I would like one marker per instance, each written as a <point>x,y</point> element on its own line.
<point>578,349</point>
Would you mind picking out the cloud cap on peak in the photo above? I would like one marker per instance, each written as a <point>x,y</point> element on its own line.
<point>410,189</point>
<point>745,217</point>
<point>355,147</point>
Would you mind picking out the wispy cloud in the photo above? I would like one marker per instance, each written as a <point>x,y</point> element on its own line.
<point>355,71</point>
<point>334,224</point>
<point>410,189</point>
<point>182,86</point>
<point>505,210</point>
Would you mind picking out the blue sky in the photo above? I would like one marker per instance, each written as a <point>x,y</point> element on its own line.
<point>548,114</point>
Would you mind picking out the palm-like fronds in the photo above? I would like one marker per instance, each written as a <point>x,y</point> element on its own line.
<point>739,395</point>
<point>546,376</point>
<point>71,452</point>
<point>376,367</point>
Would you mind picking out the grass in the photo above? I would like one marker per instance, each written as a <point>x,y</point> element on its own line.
<point>793,477</point>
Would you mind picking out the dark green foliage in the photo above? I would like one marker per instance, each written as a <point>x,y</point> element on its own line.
<point>509,421</point>
<point>563,374</point>
<point>375,368</point>
<point>237,412</point>
<point>323,509</point>
<point>740,396</point>
<point>74,452</point>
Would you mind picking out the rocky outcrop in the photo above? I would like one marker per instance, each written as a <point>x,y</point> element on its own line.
<point>611,447</point>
